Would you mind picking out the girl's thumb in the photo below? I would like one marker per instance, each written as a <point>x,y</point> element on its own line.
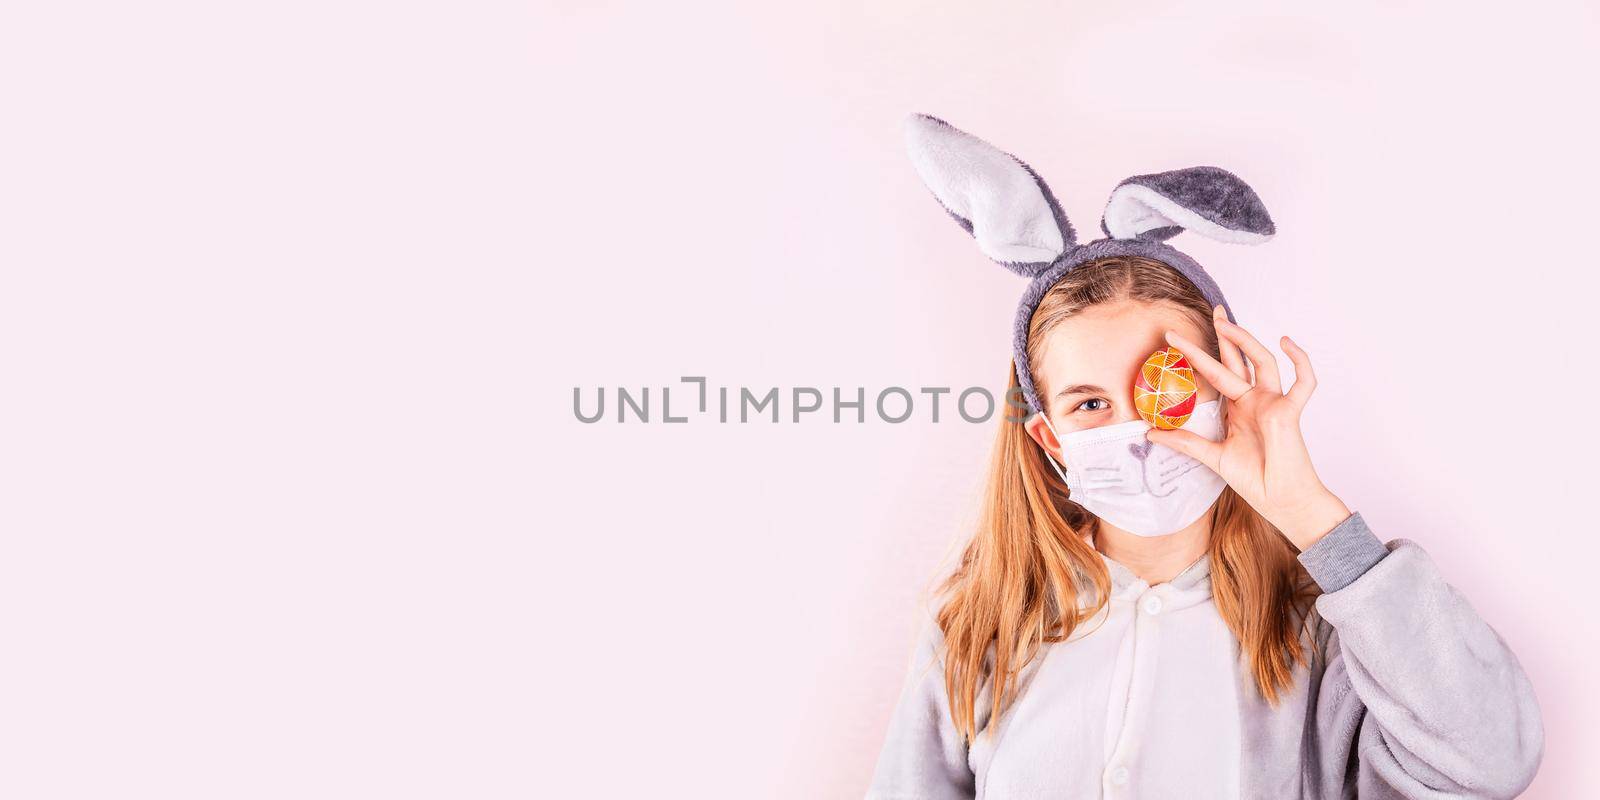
<point>1188,443</point>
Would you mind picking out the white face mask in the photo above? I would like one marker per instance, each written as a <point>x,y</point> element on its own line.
<point>1144,488</point>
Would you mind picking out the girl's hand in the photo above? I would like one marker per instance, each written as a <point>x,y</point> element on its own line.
<point>1262,456</point>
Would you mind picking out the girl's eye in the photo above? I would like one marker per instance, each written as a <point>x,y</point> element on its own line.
<point>1091,400</point>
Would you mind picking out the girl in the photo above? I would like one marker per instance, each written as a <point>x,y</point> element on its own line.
<point>1184,613</point>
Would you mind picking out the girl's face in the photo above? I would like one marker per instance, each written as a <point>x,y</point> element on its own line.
<point>1089,363</point>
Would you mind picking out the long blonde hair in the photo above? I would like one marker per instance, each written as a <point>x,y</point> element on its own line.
<point>1017,586</point>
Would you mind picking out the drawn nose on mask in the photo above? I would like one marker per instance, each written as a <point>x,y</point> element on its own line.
<point>1141,450</point>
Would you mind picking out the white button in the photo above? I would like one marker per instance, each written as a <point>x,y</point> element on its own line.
<point>1119,776</point>
<point>1152,604</point>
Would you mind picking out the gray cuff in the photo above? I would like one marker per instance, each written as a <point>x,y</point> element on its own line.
<point>1343,554</point>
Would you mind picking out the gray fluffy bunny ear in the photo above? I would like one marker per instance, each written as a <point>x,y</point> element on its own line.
<point>996,197</point>
<point>1210,201</point>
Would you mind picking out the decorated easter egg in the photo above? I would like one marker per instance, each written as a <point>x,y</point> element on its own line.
<point>1164,391</point>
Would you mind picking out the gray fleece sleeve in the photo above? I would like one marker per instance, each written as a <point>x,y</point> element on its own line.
<point>1421,698</point>
<point>923,755</point>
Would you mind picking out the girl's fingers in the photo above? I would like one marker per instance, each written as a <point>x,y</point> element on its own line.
<point>1305,380</point>
<point>1231,357</point>
<point>1230,385</point>
<point>1190,444</point>
<point>1266,364</point>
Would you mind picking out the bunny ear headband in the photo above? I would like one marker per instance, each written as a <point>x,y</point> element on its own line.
<point>1017,222</point>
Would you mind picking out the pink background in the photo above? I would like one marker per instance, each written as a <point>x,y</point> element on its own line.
<point>296,295</point>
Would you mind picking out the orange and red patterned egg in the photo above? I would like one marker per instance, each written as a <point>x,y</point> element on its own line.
<point>1164,392</point>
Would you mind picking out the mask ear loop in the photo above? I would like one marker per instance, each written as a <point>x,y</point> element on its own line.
<point>1047,454</point>
<point>1089,538</point>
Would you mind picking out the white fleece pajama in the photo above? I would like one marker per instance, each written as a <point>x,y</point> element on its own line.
<point>1152,699</point>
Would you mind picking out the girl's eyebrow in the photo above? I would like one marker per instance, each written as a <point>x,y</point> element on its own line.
<point>1081,388</point>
